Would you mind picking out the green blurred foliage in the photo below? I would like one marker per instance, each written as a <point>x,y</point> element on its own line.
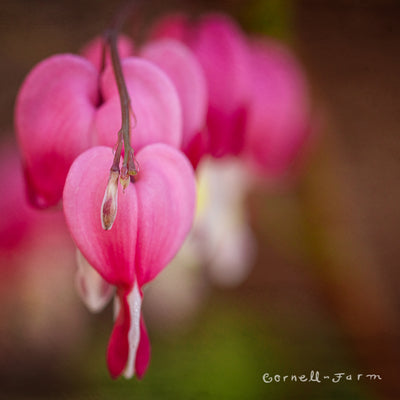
<point>223,356</point>
<point>267,17</point>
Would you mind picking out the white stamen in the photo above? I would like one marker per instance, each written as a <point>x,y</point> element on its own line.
<point>135,303</point>
<point>94,291</point>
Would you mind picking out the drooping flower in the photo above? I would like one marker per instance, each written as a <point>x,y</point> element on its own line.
<point>221,48</point>
<point>278,116</point>
<point>259,105</point>
<point>155,214</point>
<point>65,107</point>
<point>182,67</point>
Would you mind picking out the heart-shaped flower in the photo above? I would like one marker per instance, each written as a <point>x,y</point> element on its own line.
<point>65,106</point>
<point>221,48</point>
<point>155,214</point>
<point>186,73</point>
<point>278,118</point>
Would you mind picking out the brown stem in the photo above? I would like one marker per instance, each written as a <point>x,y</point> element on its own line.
<point>123,94</point>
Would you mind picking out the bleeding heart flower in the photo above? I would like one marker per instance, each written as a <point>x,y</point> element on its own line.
<point>278,119</point>
<point>154,216</point>
<point>222,51</point>
<point>259,102</point>
<point>182,67</point>
<point>65,107</point>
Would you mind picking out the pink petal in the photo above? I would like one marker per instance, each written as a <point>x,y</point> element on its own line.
<point>94,291</point>
<point>143,352</point>
<point>227,131</point>
<point>93,51</point>
<point>166,202</point>
<point>279,111</point>
<point>181,66</point>
<point>54,113</point>
<point>155,104</point>
<point>17,216</point>
<point>225,61</point>
<point>118,346</point>
<point>127,349</point>
<point>198,147</point>
<point>111,253</point>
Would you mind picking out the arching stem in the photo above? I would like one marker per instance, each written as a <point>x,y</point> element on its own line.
<point>130,166</point>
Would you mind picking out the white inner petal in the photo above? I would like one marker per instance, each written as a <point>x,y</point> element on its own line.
<point>135,303</point>
<point>94,291</point>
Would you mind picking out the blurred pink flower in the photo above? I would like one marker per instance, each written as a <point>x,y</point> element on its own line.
<point>259,103</point>
<point>182,67</point>
<point>221,48</point>
<point>36,259</point>
<point>155,214</point>
<point>278,114</point>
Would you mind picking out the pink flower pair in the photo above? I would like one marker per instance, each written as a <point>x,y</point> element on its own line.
<point>66,106</point>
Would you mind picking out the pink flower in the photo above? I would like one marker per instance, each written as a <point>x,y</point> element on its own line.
<point>36,260</point>
<point>65,107</point>
<point>182,67</point>
<point>154,216</point>
<point>278,117</point>
<point>259,104</point>
<point>221,48</point>
<point>18,218</point>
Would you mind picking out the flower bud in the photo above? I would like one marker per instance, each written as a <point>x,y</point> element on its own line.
<point>110,202</point>
<point>124,177</point>
<point>133,165</point>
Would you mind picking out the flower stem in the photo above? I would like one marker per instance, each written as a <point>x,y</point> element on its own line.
<point>130,166</point>
<point>123,95</point>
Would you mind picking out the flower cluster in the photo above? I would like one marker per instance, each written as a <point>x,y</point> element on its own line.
<point>259,107</point>
<point>194,90</point>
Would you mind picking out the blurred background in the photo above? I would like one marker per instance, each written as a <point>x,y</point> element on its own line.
<point>323,293</point>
